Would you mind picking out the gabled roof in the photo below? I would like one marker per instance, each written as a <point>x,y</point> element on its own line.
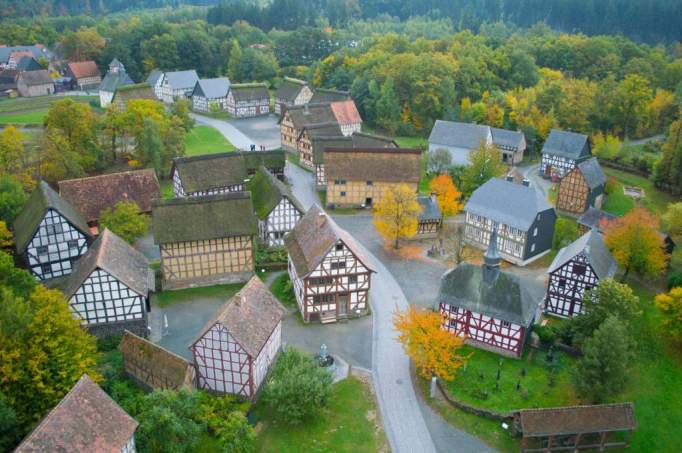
<point>212,88</point>
<point>142,90</point>
<point>594,249</point>
<point>459,135</point>
<point>246,92</point>
<point>593,218</point>
<point>174,371</point>
<point>182,80</point>
<point>327,95</point>
<point>203,218</point>
<point>558,421</point>
<point>86,419</point>
<point>42,199</point>
<point>321,130</point>
<point>506,296</point>
<point>92,195</point>
<point>373,164</point>
<point>83,69</point>
<point>153,77</point>
<point>250,317</point>
<point>302,115</point>
<point>321,142</point>
<point>592,172</point>
<point>346,112</point>
<point>507,138</point>
<point>430,209</point>
<point>33,78</point>
<point>116,64</point>
<point>567,144</point>
<point>512,204</point>
<point>37,51</point>
<point>28,64</point>
<point>289,89</point>
<point>267,192</point>
<point>118,258</point>
<point>313,237</point>
<point>113,80</point>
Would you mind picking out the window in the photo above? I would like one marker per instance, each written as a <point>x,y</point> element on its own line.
<point>506,324</point>
<point>324,298</point>
<point>41,250</point>
<point>535,232</point>
<point>579,269</point>
<point>562,283</point>
<point>340,182</point>
<point>321,281</point>
<point>339,247</point>
<point>55,228</point>
<point>45,268</point>
<point>370,183</point>
<point>532,248</point>
<point>352,279</point>
<point>72,243</point>
<point>343,194</point>
<point>338,265</point>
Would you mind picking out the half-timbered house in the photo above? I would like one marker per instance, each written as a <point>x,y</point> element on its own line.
<point>577,268</point>
<point>234,351</point>
<point>85,74</point>
<point>178,85</point>
<point>512,145</point>
<point>155,80</point>
<point>490,308</point>
<point>277,209</point>
<point>562,151</point>
<point>116,77</point>
<point>10,55</point>
<point>594,219</point>
<point>310,132</point>
<point>223,172</point>
<point>583,186</point>
<point>95,194</point>
<point>210,95</point>
<point>108,290</point>
<point>295,118</point>
<point>50,234</point>
<point>523,218</point>
<point>430,219</point>
<point>290,93</point>
<point>35,83</point>
<point>330,274</point>
<point>85,420</point>
<point>359,177</point>
<point>127,93</point>
<point>347,116</point>
<point>246,100</point>
<point>205,240</point>
<point>153,367</point>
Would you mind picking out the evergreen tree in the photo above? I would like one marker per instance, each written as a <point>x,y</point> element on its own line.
<point>234,65</point>
<point>668,170</point>
<point>388,107</point>
<point>150,145</point>
<point>12,198</point>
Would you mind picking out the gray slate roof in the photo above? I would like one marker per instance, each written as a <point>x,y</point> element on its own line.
<point>430,209</point>
<point>593,217</point>
<point>115,256</point>
<point>154,77</point>
<point>508,139</point>
<point>508,203</point>
<point>212,88</point>
<point>36,51</point>
<point>28,64</point>
<point>182,80</point>
<point>567,144</point>
<point>114,80</point>
<point>592,172</point>
<point>596,252</point>
<point>459,135</point>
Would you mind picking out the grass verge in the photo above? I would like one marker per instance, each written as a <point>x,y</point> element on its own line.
<point>283,290</point>
<point>618,203</point>
<point>166,298</point>
<point>206,140</point>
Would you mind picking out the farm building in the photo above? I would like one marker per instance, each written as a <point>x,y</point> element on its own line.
<point>582,187</point>
<point>116,77</point>
<point>430,219</point>
<point>155,80</point>
<point>35,83</point>
<point>295,118</point>
<point>323,95</point>
<point>309,133</point>
<point>562,151</point>
<point>135,91</point>
<point>248,99</point>
<point>11,55</point>
<point>290,93</point>
<point>178,85</point>
<point>210,95</point>
<point>85,74</point>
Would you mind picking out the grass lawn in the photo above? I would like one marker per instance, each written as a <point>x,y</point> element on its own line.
<point>618,203</point>
<point>283,290</point>
<point>206,140</point>
<point>34,118</point>
<point>347,424</point>
<point>32,111</point>
<point>165,298</point>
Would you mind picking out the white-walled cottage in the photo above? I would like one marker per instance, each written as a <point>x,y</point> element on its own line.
<point>210,95</point>
<point>178,85</point>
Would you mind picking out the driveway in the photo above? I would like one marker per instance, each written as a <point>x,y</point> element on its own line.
<point>231,133</point>
<point>530,172</point>
<point>302,185</point>
<point>242,133</point>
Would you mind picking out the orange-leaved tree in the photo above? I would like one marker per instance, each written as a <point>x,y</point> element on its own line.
<point>433,350</point>
<point>635,243</point>
<point>396,215</point>
<point>447,194</point>
<point>670,304</point>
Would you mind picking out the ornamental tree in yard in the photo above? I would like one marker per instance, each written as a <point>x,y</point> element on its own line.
<point>486,163</point>
<point>672,219</point>
<point>125,220</point>
<point>434,350</point>
<point>635,243</point>
<point>440,160</point>
<point>670,305</point>
<point>447,194</point>
<point>396,216</point>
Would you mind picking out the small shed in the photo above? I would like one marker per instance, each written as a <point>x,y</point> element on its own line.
<point>430,219</point>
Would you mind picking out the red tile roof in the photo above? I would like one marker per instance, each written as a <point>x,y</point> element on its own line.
<point>84,69</point>
<point>346,112</point>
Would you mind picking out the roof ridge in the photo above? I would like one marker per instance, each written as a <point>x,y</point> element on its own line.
<point>104,175</point>
<point>203,199</point>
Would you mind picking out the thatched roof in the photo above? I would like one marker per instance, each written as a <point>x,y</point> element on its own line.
<point>267,192</point>
<point>373,164</point>
<point>247,92</point>
<point>289,89</point>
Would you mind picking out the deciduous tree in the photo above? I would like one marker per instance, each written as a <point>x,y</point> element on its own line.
<point>486,163</point>
<point>672,219</point>
<point>670,304</point>
<point>5,236</point>
<point>234,64</point>
<point>434,351</point>
<point>440,161</point>
<point>396,215</point>
<point>565,232</point>
<point>388,107</point>
<point>12,198</point>
<point>668,170</point>
<point>83,44</point>
<point>447,194</point>
<point>125,220</point>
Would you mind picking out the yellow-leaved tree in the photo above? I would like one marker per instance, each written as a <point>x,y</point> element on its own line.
<point>396,216</point>
<point>435,351</point>
<point>447,194</point>
<point>670,304</point>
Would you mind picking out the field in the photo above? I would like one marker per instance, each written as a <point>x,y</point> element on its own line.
<point>206,140</point>
<point>618,203</point>
<point>32,111</point>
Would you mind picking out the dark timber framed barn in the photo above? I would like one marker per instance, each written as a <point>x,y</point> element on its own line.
<point>582,187</point>
<point>577,268</point>
<point>50,234</point>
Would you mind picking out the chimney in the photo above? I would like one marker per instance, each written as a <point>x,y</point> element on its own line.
<point>526,182</point>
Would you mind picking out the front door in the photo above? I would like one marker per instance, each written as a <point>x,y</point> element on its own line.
<point>343,303</point>
<point>368,202</point>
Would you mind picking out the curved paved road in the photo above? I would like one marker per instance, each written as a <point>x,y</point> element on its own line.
<point>231,133</point>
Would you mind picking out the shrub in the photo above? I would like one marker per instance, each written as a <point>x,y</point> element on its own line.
<point>10,430</point>
<point>611,185</point>
<point>565,232</point>
<point>675,280</point>
<point>125,220</point>
<point>546,334</point>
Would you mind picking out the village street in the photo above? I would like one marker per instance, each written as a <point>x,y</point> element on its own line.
<point>244,132</point>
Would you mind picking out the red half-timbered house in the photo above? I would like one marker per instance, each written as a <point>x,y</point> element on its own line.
<point>330,274</point>
<point>490,308</point>
<point>235,349</point>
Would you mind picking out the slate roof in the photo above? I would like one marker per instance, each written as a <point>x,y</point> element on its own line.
<point>313,237</point>
<point>37,50</point>
<point>247,92</point>
<point>115,256</point>
<point>327,95</point>
<point>173,370</point>
<point>125,93</point>
<point>203,218</point>
<point>508,139</point>
<point>33,78</point>
<point>113,80</point>
<point>577,419</point>
<point>116,63</point>
<point>85,420</point>
<point>567,144</point>
<point>92,195</point>
<point>28,64</point>
<point>42,199</point>
<point>212,88</point>
<point>598,255</point>
<point>210,171</point>
<point>182,80</point>
<point>430,209</point>
<point>373,164</point>
<point>267,191</point>
<point>289,89</point>
<point>592,172</point>
<point>83,69</point>
<point>459,135</point>
<point>153,77</point>
<point>250,317</point>
<point>346,112</point>
<point>302,115</point>
<point>593,217</point>
<point>512,204</point>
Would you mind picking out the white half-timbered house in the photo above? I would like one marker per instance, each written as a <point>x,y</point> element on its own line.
<point>577,268</point>
<point>235,349</point>
<point>85,420</point>
<point>347,116</point>
<point>155,80</point>
<point>210,95</point>
<point>211,174</point>
<point>490,308</point>
<point>562,151</point>
<point>290,93</point>
<point>50,235</point>
<point>178,85</point>
<point>330,274</point>
<point>277,209</point>
<point>246,100</point>
<point>108,290</point>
